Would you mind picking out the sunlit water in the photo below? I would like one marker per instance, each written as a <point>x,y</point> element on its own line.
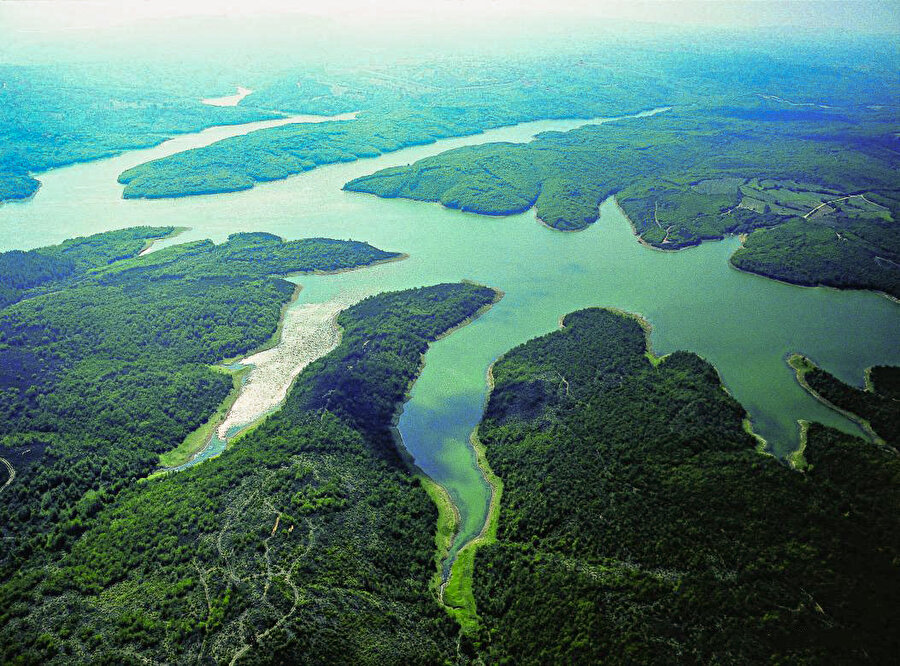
<point>744,324</point>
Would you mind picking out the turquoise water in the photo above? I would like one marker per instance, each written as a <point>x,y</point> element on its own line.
<point>745,325</point>
<point>214,447</point>
<point>215,444</point>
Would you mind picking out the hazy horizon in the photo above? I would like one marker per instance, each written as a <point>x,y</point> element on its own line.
<point>863,16</point>
<point>244,40</point>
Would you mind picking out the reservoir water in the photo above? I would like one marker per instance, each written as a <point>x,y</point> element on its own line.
<point>745,325</point>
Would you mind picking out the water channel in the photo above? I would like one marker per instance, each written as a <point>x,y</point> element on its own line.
<point>744,324</point>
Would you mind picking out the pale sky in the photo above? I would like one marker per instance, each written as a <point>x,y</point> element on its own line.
<point>854,15</point>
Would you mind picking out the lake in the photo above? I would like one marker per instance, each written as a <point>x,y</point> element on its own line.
<point>744,324</point>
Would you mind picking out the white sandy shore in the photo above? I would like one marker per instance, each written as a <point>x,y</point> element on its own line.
<point>310,331</point>
<point>228,100</point>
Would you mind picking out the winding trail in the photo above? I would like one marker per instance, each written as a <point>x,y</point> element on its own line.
<point>831,201</point>
<point>12,473</point>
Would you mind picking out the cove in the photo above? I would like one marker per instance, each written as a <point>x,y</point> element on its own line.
<point>744,324</point>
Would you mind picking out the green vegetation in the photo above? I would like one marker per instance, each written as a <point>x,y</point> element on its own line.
<point>53,116</point>
<point>462,99</point>
<point>685,177</point>
<point>447,524</point>
<point>307,540</point>
<point>104,362</point>
<point>458,594</point>
<point>876,409</point>
<point>832,251</point>
<point>43,269</point>
<point>884,380</point>
<point>199,438</point>
<point>638,524</point>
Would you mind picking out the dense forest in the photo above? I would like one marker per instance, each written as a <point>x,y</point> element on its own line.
<point>876,409</point>
<point>46,268</point>
<point>390,119</point>
<point>639,524</point>
<point>682,179</point>
<point>104,362</point>
<point>307,540</point>
<point>53,116</point>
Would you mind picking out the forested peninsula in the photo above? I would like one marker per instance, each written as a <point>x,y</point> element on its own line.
<point>639,524</point>
<point>54,116</point>
<point>876,408</point>
<point>682,178</point>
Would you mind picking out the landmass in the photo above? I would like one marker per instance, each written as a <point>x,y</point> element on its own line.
<point>54,116</point>
<point>309,536</point>
<point>681,178</point>
<point>638,523</point>
<point>876,408</point>
<point>105,363</point>
<point>396,111</point>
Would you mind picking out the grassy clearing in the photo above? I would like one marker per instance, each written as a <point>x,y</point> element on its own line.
<point>447,526</point>
<point>762,446</point>
<point>458,596</point>
<point>195,441</point>
<point>801,364</point>
<point>797,460</point>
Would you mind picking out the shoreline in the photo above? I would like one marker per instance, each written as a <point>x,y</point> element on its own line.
<point>211,424</point>
<point>448,522</point>
<point>461,604</point>
<point>762,445</point>
<point>27,198</point>
<point>276,118</point>
<point>818,285</point>
<point>228,100</point>
<point>273,341</point>
<point>312,337</point>
<point>742,236</point>
<point>641,240</point>
<point>453,517</point>
<point>264,116</point>
<point>460,580</point>
<point>150,242</point>
<point>797,460</point>
<point>802,365</point>
<point>398,256</point>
